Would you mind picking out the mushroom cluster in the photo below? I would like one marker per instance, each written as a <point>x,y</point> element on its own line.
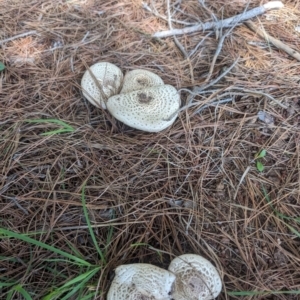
<point>189,277</point>
<point>140,99</point>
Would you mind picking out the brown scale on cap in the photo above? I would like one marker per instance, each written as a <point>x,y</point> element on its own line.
<point>149,110</point>
<point>143,98</point>
<point>140,79</point>
<point>144,101</point>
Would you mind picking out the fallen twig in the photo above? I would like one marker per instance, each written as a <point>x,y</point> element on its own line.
<point>156,14</point>
<point>223,23</point>
<point>18,36</point>
<point>178,44</point>
<point>262,94</point>
<point>199,44</point>
<point>278,44</point>
<point>219,48</point>
<point>198,89</point>
<point>232,93</point>
<point>212,65</point>
<point>212,104</point>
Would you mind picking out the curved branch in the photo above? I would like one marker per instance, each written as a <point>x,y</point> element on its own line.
<point>223,23</point>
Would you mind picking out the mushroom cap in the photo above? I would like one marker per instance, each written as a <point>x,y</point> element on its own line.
<point>141,282</point>
<point>196,278</point>
<point>110,79</point>
<point>151,109</point>
<point>139,79</point>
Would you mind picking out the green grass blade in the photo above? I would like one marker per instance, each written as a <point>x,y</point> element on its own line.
<point>83,280</point>
<point>2,66</point>
<point>292,229</point>
<point>54,121</point>
<point>89,225</point>
<point>57,131</point>
<point>260,293</point>
<point>73,248</point>
<point>296,219</point>
<point>282,216</point>
<point>4,284</point>
<point>10,234</point>
<point>66,127</point>
<point>81,277</point>
<point>89,296</point>
<point>78,281</point>
<point>10,294</point>
<point>18,288</point>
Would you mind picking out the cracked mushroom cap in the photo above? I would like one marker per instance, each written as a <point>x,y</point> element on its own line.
<point>141,282</point>
<point>152,109</point>
<point>196,278</point>
<point>139,79</point>
<point>109,78</point>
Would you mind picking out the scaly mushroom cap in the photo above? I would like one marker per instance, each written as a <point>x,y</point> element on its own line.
<point>151,109</point>
<point>196,278</point>
<point>109,78</point>
<point>139,79</point>
<point>141,282</point>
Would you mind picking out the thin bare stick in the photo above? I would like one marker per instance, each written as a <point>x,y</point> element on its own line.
<point>75,49</point>
<point>204,87</point>
<point>18,36</point>
<point>244,91</point>
<point>278,44</point>
<point>16,202</point>
<point>178,44</point>
<point>241,180</point>
<point>261,94</point>
<point>227,100</point>
<point>199,44</point>
<point>223,23</point>
<point>196,90</point>
<point>203,5</point>
<point>220,45</point>
<point>156,14</point>
<point>212,65</point>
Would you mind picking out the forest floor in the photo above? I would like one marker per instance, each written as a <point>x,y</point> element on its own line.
<point>81,193</point>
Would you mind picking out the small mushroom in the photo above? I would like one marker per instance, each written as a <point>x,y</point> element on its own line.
<point>151,109</point>
<point>139,79</point>
<point>141,282</point>
<point>196,278</point>
<point>109,77</point>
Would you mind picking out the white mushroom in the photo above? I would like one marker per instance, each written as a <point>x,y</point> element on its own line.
<point>139,79</point>
<point>109,78</point>
<point>196,278</point>
<point>141,282</point>
<point>151,109</point>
